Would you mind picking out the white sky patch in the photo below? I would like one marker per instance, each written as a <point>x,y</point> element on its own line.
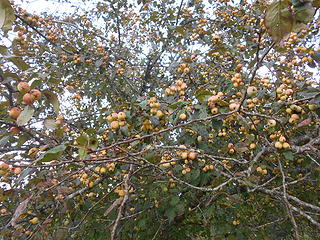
<point>51,7</point>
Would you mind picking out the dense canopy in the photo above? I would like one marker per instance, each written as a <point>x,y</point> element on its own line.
<point>160,119</point>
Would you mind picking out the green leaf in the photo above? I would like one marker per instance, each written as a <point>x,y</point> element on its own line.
<point>241,147</point>
<point>304,14</point>
<point>180,208</point>
<point>6,15</point>
<point>143,104</point>
<point>297,3</point>
<point>98,63</point>
<point>26,172</point>
<point>288,155</point>
<point>25,116</point>
<point>142,222</point>
<point>93,143</point>
<point>4,140</point>
<point>180,29</point>
<point>203,95</point>
<point>316,3</point>
<point>4,50</point>
<point>279,20</point>
<point>174,201</point>
<point>170,213</point>
<point>223,103</point>
<point>22,65</point>
<point>50,124</point>
<point>248,182</point>
<point>316,57</point>
<point>22,139</point>
<point>216,124</point>
<point>55,80</point>
<point>83,153</point>
<point>82,140</point>
<point>195,174</point>
<point>177,104</point>
<point>124,130</point>
<point>298,26</point>
<point>53,99</point>
<point>61,234</point>
<point>53,154</point>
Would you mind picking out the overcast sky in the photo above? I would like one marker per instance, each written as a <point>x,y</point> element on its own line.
<point>51,6</point>
<point>54,6</point>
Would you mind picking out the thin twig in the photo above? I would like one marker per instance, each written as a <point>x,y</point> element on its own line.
<point>125,198</point>
<point>288,205</point>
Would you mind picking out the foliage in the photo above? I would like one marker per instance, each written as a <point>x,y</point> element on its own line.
<point>161,120</point>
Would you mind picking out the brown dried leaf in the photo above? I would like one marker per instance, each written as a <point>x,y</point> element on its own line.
<point>305,122</point>
<point>19,210</point>
<point>113,205</point>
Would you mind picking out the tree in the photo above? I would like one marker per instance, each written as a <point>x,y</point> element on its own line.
<point>161,120</point>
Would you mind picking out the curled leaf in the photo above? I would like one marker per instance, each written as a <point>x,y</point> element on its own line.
<point>305,13</point>
<point>25,116</point>
<point>6,15</point>
<point>52,154</point>
<point>50,124</point>
<point>53,99</point>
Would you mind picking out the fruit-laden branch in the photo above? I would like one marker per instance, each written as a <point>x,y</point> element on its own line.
<point>42,35</point>
<point>130,140</point>
<point>28,131</point>
<point>256,68</point>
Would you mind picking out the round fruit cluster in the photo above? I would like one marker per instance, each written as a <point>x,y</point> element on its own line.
<point>7,171</point>
<point>284,91</point>
<point>293,38</point>
<point>226,164</point>
<point>222,133</point>
<point>207,168</point>
<point>154,107</point>
<point>213,102</point>
<point>252,102</point>
<point>188,157</point>
<point>237,80</point>
<point>234,105</point>
<point>86,180</point>
<point>179,88</point>
<point>281,143</point>
<point>266,82</point>
<point>107,167</point>
<point>146,125</point>
<point>14,112</point>
<point>252,91</point>
<point>294,112</point>
<point>231,149</point>
<point>33,152</point>
<point>117,120</point>
<point>29,95</point>
<point>165,160</point>
<point>184,68</point>
<point>262,171</point>
<point>183,154</point>
<point>121,192</point>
